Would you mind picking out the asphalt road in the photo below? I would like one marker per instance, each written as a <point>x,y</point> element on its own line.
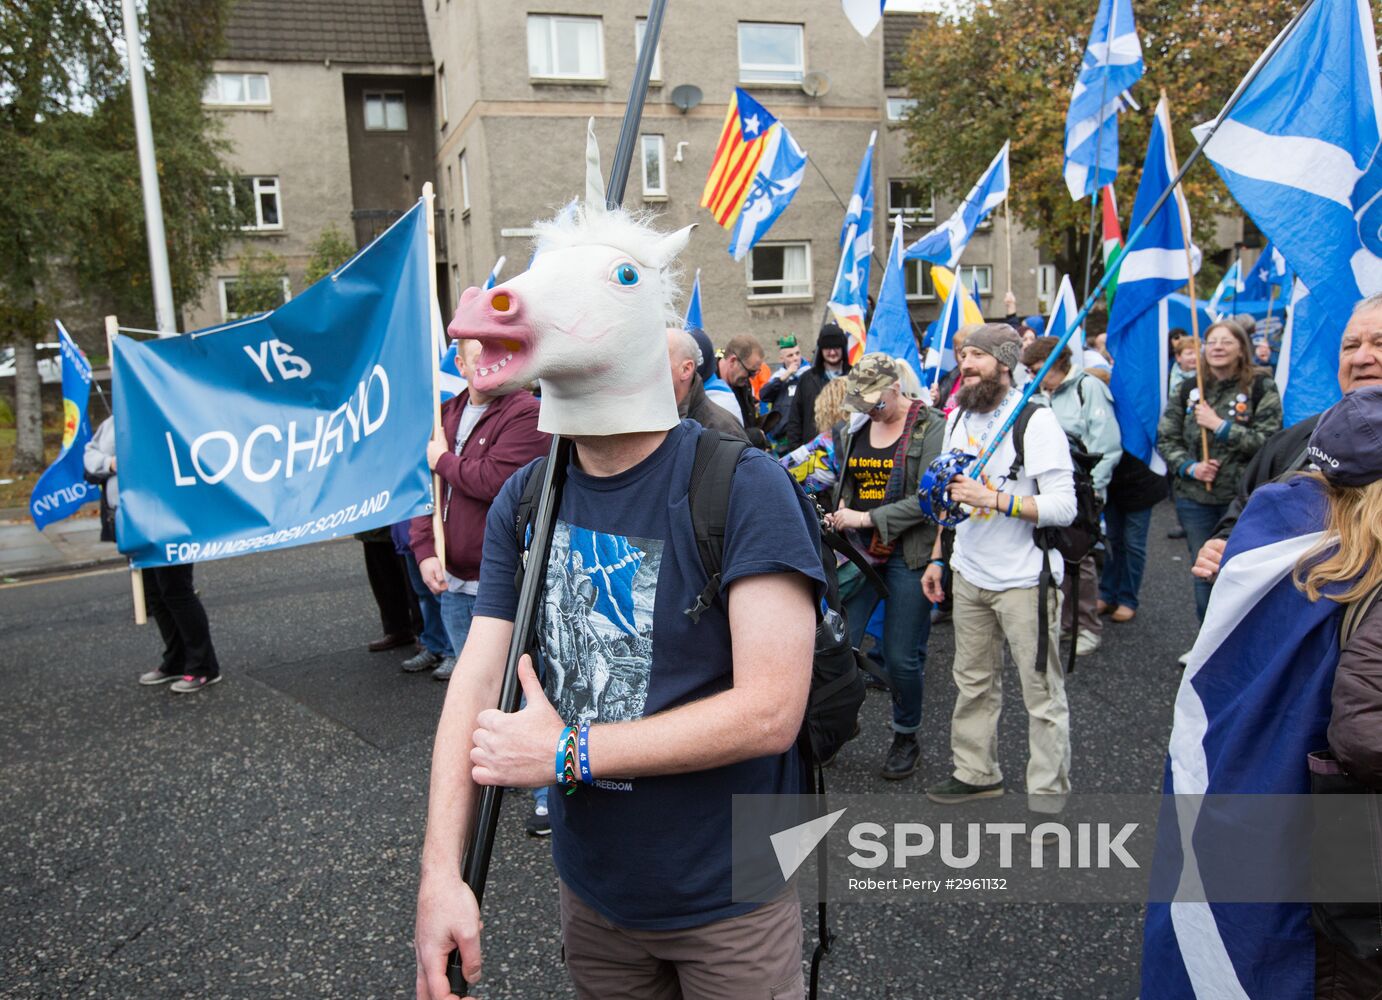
<point>260,838</point>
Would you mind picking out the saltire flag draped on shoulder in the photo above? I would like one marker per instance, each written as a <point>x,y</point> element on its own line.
<point>1254,701</point>
<point>1299,154</point>
<point>890,330</point>
<point>864,15</point>
<point>756,171</point>
<point>63,487</point>
<point>1113,242</point>
<point>1270,273</point>
<point>693,319</point>
<point>1112,64</point>
<point>944,244</point>
<point>300,425</point>
<point>1228,291</point>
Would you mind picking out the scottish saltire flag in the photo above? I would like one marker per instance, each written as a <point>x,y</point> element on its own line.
<point>945,243</point>
<point>1113,242</point>
<point>780,173</point>
<point>858,223</point>
<point>864,15</point>
<point>959,308</point>
<point>493,278</point>
<point>1299,153</point>
<point>1227,292</point>
<point>63,487</point>
<point>1307,370</point>
<point>452,381</point>
<point>742,148</point>
<point>1063,310</point>
<point>693,319</point>
<point>1112,64</point>
<point>1254,701</point>
<point>1157,265</point>
<point>891,328</point>
<point>1271,277</point>
<point>610,563</point>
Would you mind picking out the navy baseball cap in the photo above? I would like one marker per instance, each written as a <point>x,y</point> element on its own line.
<point>1347,443</point>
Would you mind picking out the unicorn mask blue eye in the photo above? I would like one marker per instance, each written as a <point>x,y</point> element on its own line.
<point>626,275</point>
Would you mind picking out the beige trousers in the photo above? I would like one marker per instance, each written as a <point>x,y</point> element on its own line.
<point>982,620</point>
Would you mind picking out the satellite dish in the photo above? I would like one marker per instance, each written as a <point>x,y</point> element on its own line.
<point>816,83</point>
<point>686,96</point>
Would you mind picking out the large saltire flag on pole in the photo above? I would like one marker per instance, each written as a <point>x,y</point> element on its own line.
<point>1228,291</point>
<point>1063,311</point>
<point>1112,64</point>
<point>1299,154</point>
<point>1152,270</point>
<point>1271,274</point>
<point>944,244</point>
<point>849,296</point>
<point>63,487</point>
<point>1113,242</point>
<point>890,331</point>
<point>959,308</point>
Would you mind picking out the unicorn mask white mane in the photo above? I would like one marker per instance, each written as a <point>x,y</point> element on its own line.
<point>588,319</point>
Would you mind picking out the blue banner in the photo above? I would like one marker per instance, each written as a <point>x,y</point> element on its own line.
<point>63,488</point>
<point>296,426</point>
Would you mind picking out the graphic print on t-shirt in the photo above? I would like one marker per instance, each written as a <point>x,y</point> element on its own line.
<point>870,468</point>
<point>596,625</point>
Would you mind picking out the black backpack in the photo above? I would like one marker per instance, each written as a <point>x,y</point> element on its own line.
<point>837,671</point>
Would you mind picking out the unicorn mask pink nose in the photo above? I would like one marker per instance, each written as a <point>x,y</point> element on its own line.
<point>494,317</point>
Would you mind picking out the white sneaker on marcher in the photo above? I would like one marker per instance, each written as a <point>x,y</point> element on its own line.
<point>1086,642</point>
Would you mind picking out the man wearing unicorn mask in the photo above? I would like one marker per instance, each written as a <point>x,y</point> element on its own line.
<point>673,715</point>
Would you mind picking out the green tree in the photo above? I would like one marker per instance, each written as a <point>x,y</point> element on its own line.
<point>72,214</point>
<point>330,250</point>
<point>258,282</point>
<point>1006,73</point>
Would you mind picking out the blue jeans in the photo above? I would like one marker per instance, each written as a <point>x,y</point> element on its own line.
<point>433,637</point>
<point>1126,559</point>
<point>906,627</point>
<point>1199,521</point>
<point>457,611</point>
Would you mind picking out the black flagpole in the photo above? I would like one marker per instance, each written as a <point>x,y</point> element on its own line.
<point>481,846</point>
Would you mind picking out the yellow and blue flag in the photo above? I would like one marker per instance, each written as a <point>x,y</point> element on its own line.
<point>63,487</point>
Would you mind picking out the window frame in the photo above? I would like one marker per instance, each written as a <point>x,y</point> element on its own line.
<point>221,102</point>
<point>552,20</point>
<point>256,189</point>
<point>465,183</point>
<point>221,286</point>
<point>661,143</point>
<point>923,272</point>
<point>384,95</point>
<point>441,97</point>
<point>967,272</point>
<point>908,102</point>
<point>746,69</point>
<point>640,25</point>
<point>751,284</point>
<point>911,216</point>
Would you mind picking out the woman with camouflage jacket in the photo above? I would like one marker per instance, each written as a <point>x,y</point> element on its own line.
<point>1240,410</point>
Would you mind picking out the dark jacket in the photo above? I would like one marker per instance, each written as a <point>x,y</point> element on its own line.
<point>505,439</point>
<point>1248,427</point>
<point>698,406</point>
<point>902,519</point>
<point>780,394</point>
<point>1355,723</point>
<point>1134,485</point>
<point>801,423</point>
<point>1283,453</point>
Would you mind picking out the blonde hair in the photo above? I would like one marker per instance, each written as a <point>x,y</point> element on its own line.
<point>1351,548</point>
<point>830,405</point>
<point>907,382</point>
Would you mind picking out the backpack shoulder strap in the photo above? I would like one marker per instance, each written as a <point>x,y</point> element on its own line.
<point>524,516</point>
<point>1024,417</point>
<point>712,475</point>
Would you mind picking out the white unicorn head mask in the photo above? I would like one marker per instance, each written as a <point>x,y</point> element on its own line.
<point>588,319</point>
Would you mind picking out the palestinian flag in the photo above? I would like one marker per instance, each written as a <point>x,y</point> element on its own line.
<point>1113,242</point>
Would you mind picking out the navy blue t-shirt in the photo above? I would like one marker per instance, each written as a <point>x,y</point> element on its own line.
<point>649,853</point>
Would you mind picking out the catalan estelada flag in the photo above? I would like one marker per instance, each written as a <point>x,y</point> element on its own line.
<point>743,141</point>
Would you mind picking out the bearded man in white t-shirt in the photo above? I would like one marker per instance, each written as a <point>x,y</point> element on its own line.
<point>996,568</point>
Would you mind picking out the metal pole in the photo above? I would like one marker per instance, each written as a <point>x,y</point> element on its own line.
<point>1136,234</point>
<point>479,850</point>
<point>165,317</point>
<point>1099,150</point>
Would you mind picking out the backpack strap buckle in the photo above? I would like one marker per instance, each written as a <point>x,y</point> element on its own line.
<point>704,599</point>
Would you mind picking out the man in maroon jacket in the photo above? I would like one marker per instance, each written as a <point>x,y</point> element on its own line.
<point>487,438</point>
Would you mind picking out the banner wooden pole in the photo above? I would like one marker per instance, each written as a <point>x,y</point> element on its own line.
<point>1189,287</point>
<point>141,615</point>
<point>429,199</point>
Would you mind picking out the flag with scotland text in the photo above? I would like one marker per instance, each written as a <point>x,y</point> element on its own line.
<point>63,487</point>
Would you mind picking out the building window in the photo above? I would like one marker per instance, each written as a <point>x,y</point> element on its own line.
<point>899,106</point>
<point>232,306</point>
<point>465,183</point>
<point>385,111</point>
<point>771,53</point>
<point>912,201</point>
<point>1046,285</point>
<point>916,280</point>
<point>441,95</point>
<point>640,26</point>
<point>654,179</point>
<point>237,89</point>
<point>779,270</point>
<point>565,48</point>
<point>256,202</point>
<point>978,278</point>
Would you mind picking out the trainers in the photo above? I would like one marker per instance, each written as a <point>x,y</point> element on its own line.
<point>444,668</point>
<point>157,677</point>
<point>1086,642</point>
<point>903,757</point>
<point>538,824</point>
<point>425,660</point>
<point>952,790</point>
<point>189,683</point>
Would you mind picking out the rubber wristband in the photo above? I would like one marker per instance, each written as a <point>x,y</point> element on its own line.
<point>583,752</point>
<point>561,756</point>
<point>938,562</point>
